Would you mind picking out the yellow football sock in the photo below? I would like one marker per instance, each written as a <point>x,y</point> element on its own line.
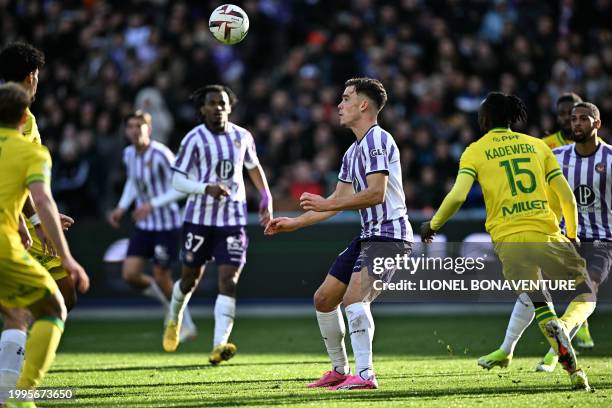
<point>40,350</point>
<point>578,310</point>
<point>543,315</point>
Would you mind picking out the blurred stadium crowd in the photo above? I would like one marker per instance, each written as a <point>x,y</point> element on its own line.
<point>437,59</point>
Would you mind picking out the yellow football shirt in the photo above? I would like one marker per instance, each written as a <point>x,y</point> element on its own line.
<point>513,170</point>
<point>25,163</point>
<point>556,140</point>
<point>30,129</point>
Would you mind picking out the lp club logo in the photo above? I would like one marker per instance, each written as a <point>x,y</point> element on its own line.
<point>585,196</point>
<point>225,169</point>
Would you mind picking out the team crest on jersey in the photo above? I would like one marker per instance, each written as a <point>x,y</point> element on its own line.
<point>237,143</point>
<point>600,167</point>
<point>225,169</point>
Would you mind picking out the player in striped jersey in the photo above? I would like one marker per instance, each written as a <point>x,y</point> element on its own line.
<point>513,169</point>
<point>563,136</point>
<point>157,214</point>
<point>20,62</point>
<point>209,167</point>
<point>586,165</point>
<point>370,180</point>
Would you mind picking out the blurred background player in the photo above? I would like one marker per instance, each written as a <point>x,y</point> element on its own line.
<point>20,63</point>
<point>563,136</point>
<point>527,165</point>
<point>25,283</point>
<point>209,168</point>
<point>370,180</point>
<point>158,217</point>
<point>586,165</point>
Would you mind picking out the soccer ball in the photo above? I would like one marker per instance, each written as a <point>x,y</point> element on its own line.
<point>229,24</point>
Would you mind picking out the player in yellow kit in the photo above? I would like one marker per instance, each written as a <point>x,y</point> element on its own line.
<point>20,62</point>
<point>564,135</point>
<point>513,169</point>
<point>25,283</point>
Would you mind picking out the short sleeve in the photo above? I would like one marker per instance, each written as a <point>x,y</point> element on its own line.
<point>250,155</point>
<point>467,163</point>
<point>188,154</point>
<point>376,151</point>
<point>344,174</point>
<point>38,166</point>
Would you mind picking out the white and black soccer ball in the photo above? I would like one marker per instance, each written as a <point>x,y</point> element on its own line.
<point>229,24</point>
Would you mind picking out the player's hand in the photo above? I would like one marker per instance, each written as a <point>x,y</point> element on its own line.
<point>427,234</point>
<point>114,217</point>
<point>77,273</point>
<point>281,224</point>
<point>142,212</point>
<point>66,221</point>
<point>314,202</point>
<point>26,238</point>
<point>217,190</point>
<point>47,247</point>
<point>265,209</point>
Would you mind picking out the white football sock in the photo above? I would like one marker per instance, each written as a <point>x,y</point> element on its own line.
<point>225,310</point>
<point>361,327</point>
<point>12,348</point>
<point>155,292</point>
<point>178,303</point>
<point>333,329</point>
<point>522,316</point>
<point>187,320</point>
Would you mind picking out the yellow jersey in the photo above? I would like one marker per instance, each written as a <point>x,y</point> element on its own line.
<point>25,163</point>
<point>556,140</point>
<point>30,129</point>
<point>513,170</point>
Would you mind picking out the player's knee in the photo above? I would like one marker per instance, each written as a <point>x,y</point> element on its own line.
<point>323,302</point>
<point>130,275</point>
<point>18,319</point>
<point>54,306</point>
<point>228,285</point>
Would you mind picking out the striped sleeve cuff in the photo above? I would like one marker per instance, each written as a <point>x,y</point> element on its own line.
<point>468,171</point>
<point>552,174</point>
<point>35,177</point>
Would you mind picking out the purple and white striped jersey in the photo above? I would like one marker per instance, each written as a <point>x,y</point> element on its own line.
<point>591,179</point>
<point>151,174</point>
<point>377,152</point>
<point>218,159</point>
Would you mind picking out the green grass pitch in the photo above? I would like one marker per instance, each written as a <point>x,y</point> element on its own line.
<point>425,360</point>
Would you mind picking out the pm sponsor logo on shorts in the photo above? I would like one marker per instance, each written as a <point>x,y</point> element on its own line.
<point>235,247</point>
<point>161,253</point>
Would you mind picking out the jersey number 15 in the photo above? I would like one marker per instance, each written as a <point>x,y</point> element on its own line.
<point>513,170</point>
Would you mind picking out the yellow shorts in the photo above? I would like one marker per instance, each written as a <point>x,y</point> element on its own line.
<point>24,280</point>
<point>51,263</point>
<point>535,255</point>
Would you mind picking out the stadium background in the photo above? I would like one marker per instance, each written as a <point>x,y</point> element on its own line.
<point>437,59</point>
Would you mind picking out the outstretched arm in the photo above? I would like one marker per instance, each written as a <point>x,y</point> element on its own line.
<point>285,224</point>
<point>258,177</point>
<point>451,204</point>
<point>374,194</point>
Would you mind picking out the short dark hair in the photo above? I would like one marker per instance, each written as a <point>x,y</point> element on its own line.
<point>14,100</point>
<point>372,88</point>
<point>593,110</point>
<point>144,117</point>
<point>503,110</point>
<point>18,60</point>
<point>569,97</point>
<point>198,97</point>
